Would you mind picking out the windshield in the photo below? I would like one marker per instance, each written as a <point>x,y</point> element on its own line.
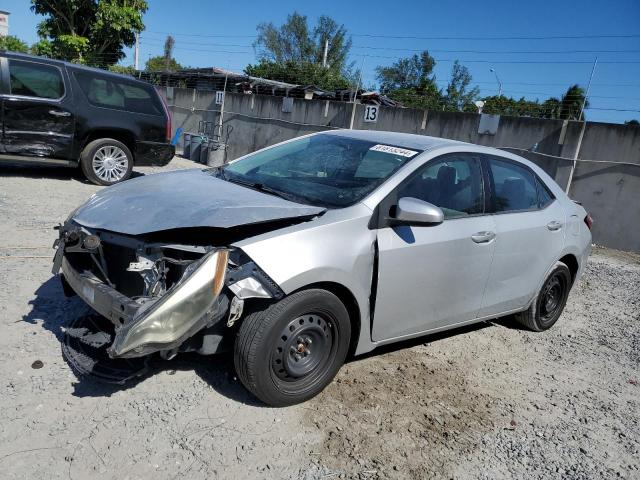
<point>324,170</point>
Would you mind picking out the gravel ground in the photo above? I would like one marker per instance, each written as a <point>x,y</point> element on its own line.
<point>491,401</point>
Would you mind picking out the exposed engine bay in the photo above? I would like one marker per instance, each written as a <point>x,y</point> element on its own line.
<point>162,296</point>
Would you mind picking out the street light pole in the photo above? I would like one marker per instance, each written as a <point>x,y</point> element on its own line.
<point>499,82</point>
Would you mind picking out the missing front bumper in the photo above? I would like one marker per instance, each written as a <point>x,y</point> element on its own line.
<point>164,323</point>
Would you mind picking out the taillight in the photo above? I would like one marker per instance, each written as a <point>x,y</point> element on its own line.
<point>589,221</point>
<point>167,112</point>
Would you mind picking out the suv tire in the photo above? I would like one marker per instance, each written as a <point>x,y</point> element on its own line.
<point>549,303</point>
<point>290,351</point>
<point>106,161</point>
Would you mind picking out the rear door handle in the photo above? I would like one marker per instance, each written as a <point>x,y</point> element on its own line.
<point>553,226</point>
<point>483,237</point>
<point>60,113</point>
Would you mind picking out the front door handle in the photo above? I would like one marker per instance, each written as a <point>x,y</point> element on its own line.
<point>60,113</point>
<point>553,226</point>
<point>483,237</point>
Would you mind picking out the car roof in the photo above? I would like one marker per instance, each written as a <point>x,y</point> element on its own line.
<point>404,140</point>
<point>69,65</point>
<point>420,142</point>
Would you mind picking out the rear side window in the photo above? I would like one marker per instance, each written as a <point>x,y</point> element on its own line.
<point>38,80</point>
<point>118,94</point>
<point>514,186</point>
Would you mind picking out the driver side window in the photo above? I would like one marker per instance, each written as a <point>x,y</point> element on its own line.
<point>452,182</point>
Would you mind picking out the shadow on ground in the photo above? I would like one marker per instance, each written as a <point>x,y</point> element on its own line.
<point>54,312</point>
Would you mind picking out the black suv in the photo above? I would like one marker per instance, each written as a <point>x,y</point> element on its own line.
<point>60,113</point>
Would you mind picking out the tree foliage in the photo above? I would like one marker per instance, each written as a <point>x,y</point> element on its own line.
<point>161,64</point>
<point>300,73</point>
<point>293,52</point>
<point>460,95</point>
<point>90,31</point>
<point>164,62</point>
<point>13,44</point>
<point>571,103</point>
<point>407,73</point>
<point>633,122</point>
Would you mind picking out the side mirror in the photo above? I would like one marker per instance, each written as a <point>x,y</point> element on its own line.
<point>411,211</point>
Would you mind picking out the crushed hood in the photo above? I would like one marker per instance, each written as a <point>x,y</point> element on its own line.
<point>182,199</point>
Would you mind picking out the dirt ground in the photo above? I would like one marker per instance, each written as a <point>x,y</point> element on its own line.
<point>491,401</point>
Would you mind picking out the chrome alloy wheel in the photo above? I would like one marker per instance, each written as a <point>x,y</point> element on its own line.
<point>110,163</point>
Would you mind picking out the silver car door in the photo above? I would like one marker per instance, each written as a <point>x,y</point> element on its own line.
<point>530,227</point>
<point>431,277</point>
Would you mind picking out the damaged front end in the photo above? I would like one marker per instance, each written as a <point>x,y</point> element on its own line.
<point>159,296</point>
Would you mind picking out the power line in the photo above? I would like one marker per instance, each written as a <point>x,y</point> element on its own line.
<point>545,37</point>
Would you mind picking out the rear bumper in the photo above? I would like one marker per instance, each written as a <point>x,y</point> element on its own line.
<point>154,153</point>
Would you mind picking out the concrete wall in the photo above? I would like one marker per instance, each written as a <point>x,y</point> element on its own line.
<point>610,191</point>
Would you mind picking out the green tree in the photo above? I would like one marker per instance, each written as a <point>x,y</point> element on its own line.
<point>164,62</point>
<point>122,69</point>
<point>13,44</point>
<point>411,82</point>
<point>571,103</point>
<point>300,73</point>
<point>90,31</point>
<point>633,122</point>
<point>459,96</point>
<point>406,73</point>
<point>294,52</point>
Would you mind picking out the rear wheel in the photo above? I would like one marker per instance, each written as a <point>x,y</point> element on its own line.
<point>550,301</point>
<point>106,161</point>
<point>290,351</point>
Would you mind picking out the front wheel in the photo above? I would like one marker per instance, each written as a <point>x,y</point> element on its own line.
<point>106,161</point>
<point>290,351</point>
<point>548,305</point>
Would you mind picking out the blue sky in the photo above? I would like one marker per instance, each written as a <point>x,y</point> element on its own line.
<point>220,33</point>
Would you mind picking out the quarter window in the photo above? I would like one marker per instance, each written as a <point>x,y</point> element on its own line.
<point>451,182</point>
<point>514,186</point>
<point>544,196</point>
<point>121,95</point>
<point>38,80</point>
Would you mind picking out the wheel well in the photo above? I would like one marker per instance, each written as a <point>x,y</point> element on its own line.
<point>349,301</point>
<point>121,135</point>
<point>572,262</point>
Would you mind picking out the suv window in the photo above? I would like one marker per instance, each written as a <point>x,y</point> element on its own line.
<point>32,79</point>
<point>452,182</point>
<point>119,94</point>
<point>514,186</point>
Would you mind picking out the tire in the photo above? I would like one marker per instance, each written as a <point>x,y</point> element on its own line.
<point>114,157</point>
<point>550,301</point>
<point>290,351</point>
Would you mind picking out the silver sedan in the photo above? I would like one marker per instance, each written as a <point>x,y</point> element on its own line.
<point>324,246</point>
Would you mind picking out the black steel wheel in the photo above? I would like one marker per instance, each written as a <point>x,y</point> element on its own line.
<point>290,351</point>
<point>550,301</point>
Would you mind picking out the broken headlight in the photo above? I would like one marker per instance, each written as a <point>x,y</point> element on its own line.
<point>178,314</point>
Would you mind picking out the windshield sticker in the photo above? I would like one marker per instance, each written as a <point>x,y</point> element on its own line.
<point>403,152</point>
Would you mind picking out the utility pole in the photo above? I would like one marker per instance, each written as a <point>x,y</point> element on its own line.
<point>499,82</point>
<point>326,51</point>
<point>136,51</point>
<point>586,94</point>
<point>355,94</point>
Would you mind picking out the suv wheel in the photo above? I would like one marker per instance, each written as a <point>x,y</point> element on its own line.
<point>548,305</point>
<point>291,350</point>
<point>106,161</point>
